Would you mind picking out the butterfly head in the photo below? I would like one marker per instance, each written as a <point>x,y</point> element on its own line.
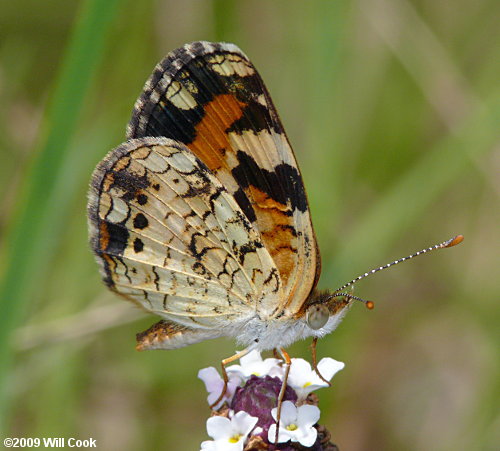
<point>324,305</point>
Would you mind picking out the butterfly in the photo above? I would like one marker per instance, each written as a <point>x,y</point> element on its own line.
<point>201,216</point>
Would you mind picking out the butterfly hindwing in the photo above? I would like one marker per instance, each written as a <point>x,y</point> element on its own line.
<point>169,236</point>
<point>209,97</point>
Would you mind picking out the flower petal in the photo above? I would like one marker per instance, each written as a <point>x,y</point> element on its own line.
<point>214,396</point>
<point>304,380</point>
<point>328,367</point>
<point>252,357</point>
<point>307,437</point>
<point>236,370</point>
<point>215,384</point>
<point>307,415</point>
<point>269,366</point>
<point>300,372</point>
<point>243,423</point>
<point>302,418</point>
<point>208,445</point>
<point>288,413</point>
<point>226,445</point>
<point>219,427</point>
<point>252,364</point>
<point>211,378</point>
<point>283,435</point>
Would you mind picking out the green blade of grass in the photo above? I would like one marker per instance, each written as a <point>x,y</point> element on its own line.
<point>327,24</point>
<point>225,20</point>
<point>34,230</point>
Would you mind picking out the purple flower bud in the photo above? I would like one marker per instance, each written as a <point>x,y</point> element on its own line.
<point>258,396</point>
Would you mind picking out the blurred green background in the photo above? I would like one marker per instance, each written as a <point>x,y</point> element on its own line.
<point>393,108</point>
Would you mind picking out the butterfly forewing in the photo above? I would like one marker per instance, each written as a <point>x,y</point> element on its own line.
<point>210,98</point>
<point>170,237</point>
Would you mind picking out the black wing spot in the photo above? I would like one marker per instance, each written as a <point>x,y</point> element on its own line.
<point>142,199</point>
<point>129,183</point>
<point>138,246</point>
<point>140,221</point>
<point>118,238</point>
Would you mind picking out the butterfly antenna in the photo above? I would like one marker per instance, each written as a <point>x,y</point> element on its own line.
<point>340,291</point>
<point>369,304</point>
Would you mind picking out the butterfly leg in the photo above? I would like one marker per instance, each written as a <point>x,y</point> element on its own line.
<point>288,362</point>
<point>225,377</point>
<point>315,361</point>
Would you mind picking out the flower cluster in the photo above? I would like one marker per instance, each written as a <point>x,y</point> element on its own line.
<point>247,414</point>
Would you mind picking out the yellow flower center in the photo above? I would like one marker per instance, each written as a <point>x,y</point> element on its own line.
<point>306,385</point>
<point>235,438</point>
<point>291,427</point>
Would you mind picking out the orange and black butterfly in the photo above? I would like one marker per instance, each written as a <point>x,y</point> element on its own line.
<point>201,216</point>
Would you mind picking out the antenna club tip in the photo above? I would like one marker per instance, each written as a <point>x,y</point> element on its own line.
<point>370,305</point>
<point>454,241</point>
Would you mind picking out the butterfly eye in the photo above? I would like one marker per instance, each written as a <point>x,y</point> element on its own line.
<point>317,316</point>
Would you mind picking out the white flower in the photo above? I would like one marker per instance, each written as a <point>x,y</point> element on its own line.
<point>304,380</point>
<point>296,424</point>
<point>252,364</point>
<point>215,384</point>
<point>228,434</point>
